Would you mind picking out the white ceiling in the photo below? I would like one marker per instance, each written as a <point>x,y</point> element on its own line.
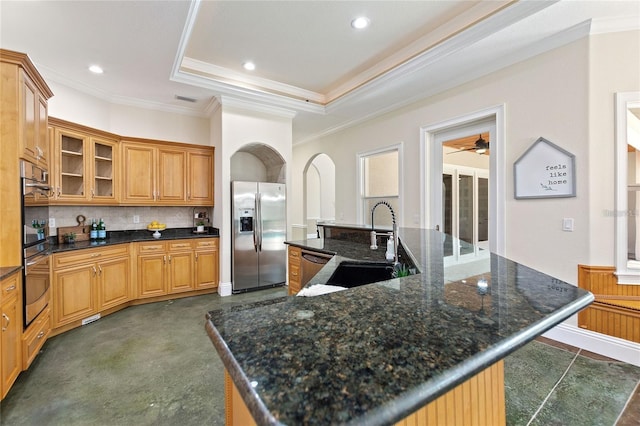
<point>310,63</point>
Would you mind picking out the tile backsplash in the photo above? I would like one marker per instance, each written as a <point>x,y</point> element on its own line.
<point>121,218</point>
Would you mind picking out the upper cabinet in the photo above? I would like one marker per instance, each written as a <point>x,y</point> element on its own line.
<point>167,174</point>
<point>24,107</point>
<point>85,165</point>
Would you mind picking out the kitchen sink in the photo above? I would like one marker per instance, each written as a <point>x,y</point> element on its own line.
<point>353,274</point>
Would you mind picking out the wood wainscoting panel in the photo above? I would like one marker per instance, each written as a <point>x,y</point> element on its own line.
<point>616,309</point>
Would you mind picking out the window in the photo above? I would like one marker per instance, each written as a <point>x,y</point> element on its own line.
<point>380,181</point>
<point>627,207</point>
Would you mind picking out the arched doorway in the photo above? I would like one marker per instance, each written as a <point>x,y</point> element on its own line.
<point>319,192</point>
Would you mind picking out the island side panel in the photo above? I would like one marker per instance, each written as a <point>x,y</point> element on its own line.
<point>479,400</point>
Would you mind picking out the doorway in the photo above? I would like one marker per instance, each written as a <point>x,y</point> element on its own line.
<point>464,180</point>
<point>319,193</point>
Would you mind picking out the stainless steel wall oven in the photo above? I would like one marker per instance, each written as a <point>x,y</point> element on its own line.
<point>35,240</point>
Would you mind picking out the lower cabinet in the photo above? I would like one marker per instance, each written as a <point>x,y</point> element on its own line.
<point>207,263</point>
<point>88,281</point>
<point>170,267</point>
<point>35,336</point>
<point>295,280</point>
<point>11,334</point>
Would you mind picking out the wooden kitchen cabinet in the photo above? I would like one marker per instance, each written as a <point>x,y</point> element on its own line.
<point>181,266</point>
<point>295,278</point>
<point>11,331</point>
<point>24,109</point>
<point>200,177</point>
<point>34,337</point>
<point>88,281</point>
<point>176,266</point>
<point>85,166</point>
<point>167,174</point>
<point>164,268</point>
<point>207,263</point>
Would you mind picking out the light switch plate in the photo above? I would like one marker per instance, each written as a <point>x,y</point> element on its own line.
<point>136,218</point>
<point>52,222</point>
<point>567,224</point>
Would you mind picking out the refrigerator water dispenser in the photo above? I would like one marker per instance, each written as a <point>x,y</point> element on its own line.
<point>246,220</point>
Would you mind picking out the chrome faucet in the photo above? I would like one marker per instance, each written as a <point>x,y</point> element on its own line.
<point>394,233</point>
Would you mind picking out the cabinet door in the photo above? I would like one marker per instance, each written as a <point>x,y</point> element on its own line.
<point>151,275</point>
<point>29,118</point>
<point>172,171</point>
<point>113,283</point>
<point>11,343</point>
<point>74,295</point>
<point>181,271</point>
<point>206,269</point>
<point>104,171</point>
<point>42,141</point>
<point>138,177</point>
<point>69,167</point>
<point>200,178</point>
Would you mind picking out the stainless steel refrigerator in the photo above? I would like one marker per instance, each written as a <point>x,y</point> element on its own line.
<point>259,231</point>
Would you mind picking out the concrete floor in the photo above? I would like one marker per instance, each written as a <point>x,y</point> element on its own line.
<point>154,365</point>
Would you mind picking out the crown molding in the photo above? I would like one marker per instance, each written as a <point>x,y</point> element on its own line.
<point>614,25</point>
<point>224,75</point>
<point>230,101</point>
<point>250,95</point>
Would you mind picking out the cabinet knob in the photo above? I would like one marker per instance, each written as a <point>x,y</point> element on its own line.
<point>8,289</point>
<point>94,271</point>
<point>100,269</point>
<point>40,335</point>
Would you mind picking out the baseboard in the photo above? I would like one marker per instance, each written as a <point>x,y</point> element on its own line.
<point>612,347</point>
<point>224,289</point>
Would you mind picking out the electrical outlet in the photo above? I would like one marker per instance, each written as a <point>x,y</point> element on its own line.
<point>136,218</point>
<point>52,222</point>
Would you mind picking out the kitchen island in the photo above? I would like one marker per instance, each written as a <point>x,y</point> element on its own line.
<point>378,353</point>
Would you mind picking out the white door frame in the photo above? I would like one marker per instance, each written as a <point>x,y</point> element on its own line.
<point>431,137</point>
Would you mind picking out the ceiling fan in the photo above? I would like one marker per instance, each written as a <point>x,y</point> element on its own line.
<point>480,147</point>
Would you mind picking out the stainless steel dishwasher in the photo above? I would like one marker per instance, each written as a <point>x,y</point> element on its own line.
<point>310,263</point>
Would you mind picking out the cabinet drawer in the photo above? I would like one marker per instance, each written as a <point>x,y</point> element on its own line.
<point>207,243</point>
<point>35,337</point>
<point>10,286</point>
<point>294,273</point>
<point>294,256</point>
<point>180,245</point>
<point>89,255</point>
<point>151,247</point>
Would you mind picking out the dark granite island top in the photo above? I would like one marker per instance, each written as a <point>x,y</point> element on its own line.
<point>376,353</point>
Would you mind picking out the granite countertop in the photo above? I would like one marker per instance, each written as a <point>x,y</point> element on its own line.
<point>376,353</point>
<point>121,237</point>
<point>5,271</point>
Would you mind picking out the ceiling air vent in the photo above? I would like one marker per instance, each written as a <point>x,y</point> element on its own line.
<point>186,99</point>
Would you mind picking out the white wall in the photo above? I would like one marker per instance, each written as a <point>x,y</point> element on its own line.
<point>247,167</point>
<point>78,107</point>
<point>614,67</point>
<point>239,127</point>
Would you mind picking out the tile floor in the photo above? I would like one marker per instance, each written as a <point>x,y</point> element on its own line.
<point>154,365</point>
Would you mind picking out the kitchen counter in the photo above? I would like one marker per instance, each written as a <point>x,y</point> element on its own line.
<point>375,354</point>
<point>5,271</point>
<point>121,237</point>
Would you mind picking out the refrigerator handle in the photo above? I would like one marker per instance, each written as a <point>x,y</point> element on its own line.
<point>255,222</point>
<point>259,220</point>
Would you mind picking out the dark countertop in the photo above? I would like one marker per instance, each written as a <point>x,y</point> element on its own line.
<point>121,237</point>
<point>376,353</point>
<point>5,271</point>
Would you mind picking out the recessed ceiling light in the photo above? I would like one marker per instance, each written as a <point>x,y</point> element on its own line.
<point>96,69</point>
<point>249,66</point>
<point>360,23</point>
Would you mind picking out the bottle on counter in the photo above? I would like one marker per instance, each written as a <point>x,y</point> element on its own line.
<point>93,234</point>
<point>102,230</point>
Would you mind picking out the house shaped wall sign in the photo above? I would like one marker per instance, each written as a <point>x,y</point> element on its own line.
<point>544,171</point>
